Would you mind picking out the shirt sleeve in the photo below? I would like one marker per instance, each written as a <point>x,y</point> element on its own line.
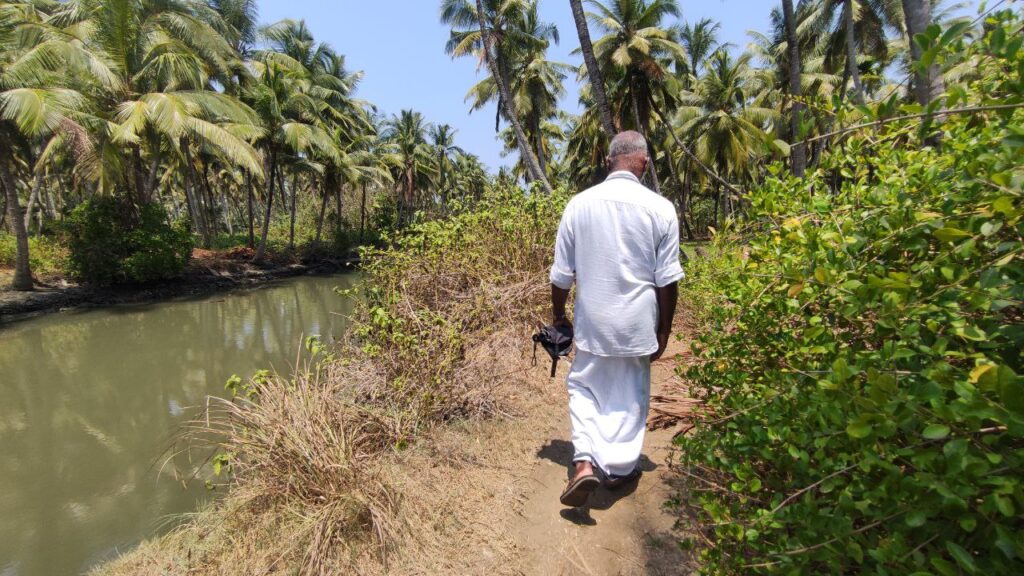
<point>563,271</point>
<point>667,269</point>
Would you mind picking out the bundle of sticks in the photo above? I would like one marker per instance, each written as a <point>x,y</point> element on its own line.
<point>670,409</point>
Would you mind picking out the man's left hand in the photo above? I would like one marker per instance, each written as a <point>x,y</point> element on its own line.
<point>662,346</point>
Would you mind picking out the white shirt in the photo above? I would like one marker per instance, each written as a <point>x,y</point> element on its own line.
<point>618,241</point>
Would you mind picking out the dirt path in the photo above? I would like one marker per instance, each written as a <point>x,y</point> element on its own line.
<point>487,492</point>
<point>625,532</point>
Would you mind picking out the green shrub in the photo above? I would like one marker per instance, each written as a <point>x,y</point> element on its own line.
<point>440,282</point>
<point>862,355</point>
<point>114,242</point>
<point>47,256</point>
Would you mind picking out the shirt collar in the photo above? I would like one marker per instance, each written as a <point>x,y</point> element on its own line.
<point>624,175</point>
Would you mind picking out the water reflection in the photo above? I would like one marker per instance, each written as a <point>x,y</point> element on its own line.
<point>89,401</point>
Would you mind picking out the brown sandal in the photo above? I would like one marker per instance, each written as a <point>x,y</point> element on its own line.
<point>578,491</point>
<point>616,482</point>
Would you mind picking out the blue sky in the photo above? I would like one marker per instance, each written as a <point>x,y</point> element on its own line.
<point>399,44</point>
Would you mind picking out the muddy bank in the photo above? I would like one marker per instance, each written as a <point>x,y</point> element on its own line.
<point>201,277</point>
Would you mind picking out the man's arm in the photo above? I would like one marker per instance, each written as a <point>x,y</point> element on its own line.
<point>559,296</point>
<point>667,298</point>
<point>563,270</point>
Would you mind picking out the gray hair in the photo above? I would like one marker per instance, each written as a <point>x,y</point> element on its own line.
<point>627,144</point>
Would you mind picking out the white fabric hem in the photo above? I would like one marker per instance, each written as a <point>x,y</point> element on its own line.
<point>662,281</point>
<point>638,353</point>
<point>563,281</point>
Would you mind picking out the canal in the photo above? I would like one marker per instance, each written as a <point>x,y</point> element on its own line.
<point>91,401</point>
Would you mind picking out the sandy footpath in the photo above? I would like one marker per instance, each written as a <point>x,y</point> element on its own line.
<point>489,494</point>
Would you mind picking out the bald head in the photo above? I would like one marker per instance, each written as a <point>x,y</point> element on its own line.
<point>628,151</point>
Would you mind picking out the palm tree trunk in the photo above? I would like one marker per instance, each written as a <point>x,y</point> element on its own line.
<point>532,165</point>
<point>444,186</point>
<point>718,202</point>
<point>154,171</point>
<point>538,139</point>
<point>337,202</point>
<point>291,222</point>
<point>140,179</point>
<point>188,203</point>
<point>851,52</point>
<point>686,207</point>
<point>202,211</point>
<point>593,69</point>
<point>271,173</point>
<point>362,214</point>
<point>281,189</point>
<point>410,185</point>
<point>693,157</point>
<point>651,172</point>
<point>51,206</point>
<point>33,196</point>
<point>225,203</point>
<point>799,150</point>
<point>682,196</point>
<point>927,83</point>
<point>195,208</point>
<point>399,204</point>
<point>22,270</point>
<point>249,194</point>
<point>320,217</point>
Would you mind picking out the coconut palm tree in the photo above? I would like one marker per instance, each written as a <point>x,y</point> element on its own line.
<point>549,135</point>
<point>471,177</point>
<point>730,133</point>
<point>593,69</point>
<point>700,41</point>
<point>240,19</point>
<point>488,29</point>
<point>799,153</point>
<point>406,133</point>
<point>165,56</point>
<point>636,51</point>
<point>537,83</point>
<point>37,59</point>
<point>328,85</point>
<point>775,81</point>
<point>442,141</point>
<point>292,123</point>
<point>927,84</point>
<point>850,29</point>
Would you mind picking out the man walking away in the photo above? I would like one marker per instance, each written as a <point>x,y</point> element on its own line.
<point>619,242</point>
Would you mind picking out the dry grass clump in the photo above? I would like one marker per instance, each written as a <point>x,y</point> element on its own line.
<point>304,442</point>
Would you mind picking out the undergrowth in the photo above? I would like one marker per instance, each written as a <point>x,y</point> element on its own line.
<point>861,353</point>
<point>47,256</point>
<point>303,455</point>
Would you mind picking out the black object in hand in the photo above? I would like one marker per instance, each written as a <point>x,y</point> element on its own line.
<point>556,340</point>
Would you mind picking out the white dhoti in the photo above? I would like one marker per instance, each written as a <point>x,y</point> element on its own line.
<point>608,402</point>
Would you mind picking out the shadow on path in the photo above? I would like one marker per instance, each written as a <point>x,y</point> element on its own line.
<point>561,452</point>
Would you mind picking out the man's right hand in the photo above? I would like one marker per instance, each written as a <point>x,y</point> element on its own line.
<point>562,321</point>
<point>559,296</point>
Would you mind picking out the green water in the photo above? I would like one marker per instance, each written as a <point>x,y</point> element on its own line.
<point>90,401</point>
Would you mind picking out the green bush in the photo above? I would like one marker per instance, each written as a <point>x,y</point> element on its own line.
<point>439,284</point>
<point>114,242</point>
<point>47,256</point>
<point>862,354</point>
